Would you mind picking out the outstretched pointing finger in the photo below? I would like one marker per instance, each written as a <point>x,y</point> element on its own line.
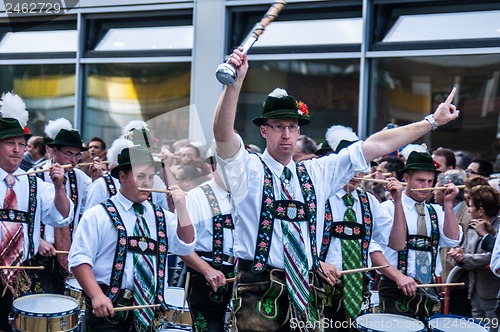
<point>451,96</point>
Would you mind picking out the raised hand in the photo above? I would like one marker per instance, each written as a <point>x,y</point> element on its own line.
<point>446,111</point>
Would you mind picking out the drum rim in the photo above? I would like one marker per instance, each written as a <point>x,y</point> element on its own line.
<point>73,287</point>
<point>388,314</point>
<point>469,319</point>
<point>46,315</point>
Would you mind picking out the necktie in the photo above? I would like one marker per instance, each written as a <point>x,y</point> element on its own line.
<point>422,264</point>
<point>351,259</point>
<point>11,247</point>
<point>62,242</point>
<point>296,267</point>
<point>144,286</point>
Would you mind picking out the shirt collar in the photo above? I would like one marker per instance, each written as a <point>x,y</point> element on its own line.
<point>275,166</point>
<point>3,174</point>
<point>409,203</point>
<point>125,202</point>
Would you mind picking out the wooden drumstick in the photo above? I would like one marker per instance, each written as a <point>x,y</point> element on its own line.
<point>62,252</point>
<point>364,269</point>
<point>450,284</point>
<point>134,307</point>
<point>369,176</point>
<point>377,180</point>
<point>460,186</point>
<point>91,163</point>
<point>165,191</point>
<point>186,288</point>
<point>227,280</point>
<point>22,267</point>
<point>42,170</point>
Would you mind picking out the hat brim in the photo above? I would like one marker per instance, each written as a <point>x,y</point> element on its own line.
<point>14,133</point>
<point>280,114</point>
<point>115,172</point>
<point>420,167</point>
<point>59,145</point>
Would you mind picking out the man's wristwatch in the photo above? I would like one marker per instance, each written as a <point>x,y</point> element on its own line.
<point>430,119</point>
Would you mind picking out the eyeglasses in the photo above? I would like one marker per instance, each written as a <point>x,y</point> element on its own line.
<point>71,155</point>
<point>472,172</point>
<point>293,128</point>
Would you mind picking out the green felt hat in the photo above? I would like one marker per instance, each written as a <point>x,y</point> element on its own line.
<point>67,137</point>
<point>323,149</point>
<point>136,155</point>
<point>279,105</point>
<point>12,128</point>
<point>14,116</point>
<point>420,161</point>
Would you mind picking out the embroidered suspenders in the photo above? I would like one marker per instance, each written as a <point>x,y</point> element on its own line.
<point>125,243</point>
<point>25,217</point>
<point>220,221</point>
<point>269,209</point>
<point>110,184</point>
<point>422,243</point>
<point>338,229</point>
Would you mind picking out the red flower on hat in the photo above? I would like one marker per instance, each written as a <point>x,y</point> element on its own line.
<point>26,130</point>
<point>436,164</point>
<point>302,108</point>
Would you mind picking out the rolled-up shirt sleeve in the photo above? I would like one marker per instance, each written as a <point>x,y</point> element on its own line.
<point>50,214</point>
<point>176,245</point>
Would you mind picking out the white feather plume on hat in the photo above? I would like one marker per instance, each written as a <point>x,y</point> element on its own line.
<point>12,106</point>
<point>54,127</point>
<point>335,134</point>
<point>134,124</point>
<point>405,152</point>
<point>117,147</point>
<point>278,93</point>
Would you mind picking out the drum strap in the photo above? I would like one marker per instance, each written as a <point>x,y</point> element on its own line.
<point>269,211</point>
<point>330,229</point>
<point>414,242</point>
<point>219,222</point>
<point>122,244</point>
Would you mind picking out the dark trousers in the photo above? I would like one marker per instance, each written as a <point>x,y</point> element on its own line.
<point>260,301</point>
<point>51,279</point>
<point>208,308</point>
<point>5,308</point>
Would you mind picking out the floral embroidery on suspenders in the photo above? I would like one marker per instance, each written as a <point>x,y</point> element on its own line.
<point>422,243</point>
<point>365,232</point>
<point>110,184</point>
<point>125,243</point>
<point>268,211</point>
<point>73,189</point>
<point>25,217</point>
<point>220,221</point>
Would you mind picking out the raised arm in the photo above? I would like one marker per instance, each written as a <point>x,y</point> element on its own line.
<point>386,141</point>
<point>225,114</point>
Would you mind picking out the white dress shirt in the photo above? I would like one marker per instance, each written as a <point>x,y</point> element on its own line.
<point>95,239</point>
<point>45,210</point>
<point>411,214</point>
<point>495,257</point>
<point>201,216</point>
<point>381,220</point>
<point>243,174</point>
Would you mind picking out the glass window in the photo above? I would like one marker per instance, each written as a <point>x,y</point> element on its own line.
<point>39,41</point>
<point>328,87</point>
<point>147,38</point>
<point>47,90</point>
<point>408,88</point>
<point>445,26</point>
<point>156,93</point>
<point>312,32</point>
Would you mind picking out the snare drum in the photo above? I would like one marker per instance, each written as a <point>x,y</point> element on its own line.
<point>374,301</point>
<point>450,323</point>
<point>382,322</point>
<point>74,290</point>
<point>45,312</point>
<point>177,314</point>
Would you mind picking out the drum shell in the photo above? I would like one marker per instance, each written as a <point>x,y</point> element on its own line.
<point>177,313</point>
<point>63,321</point>
<point>74,290</point>
<point>384,322</point>
<point>448,323</point>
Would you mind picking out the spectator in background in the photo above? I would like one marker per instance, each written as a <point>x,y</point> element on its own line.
<point>470,183</point>
<point>35,153</point>
<point>445,158</point>
<point>96,152</point>
<point>480,167</point>
<point>304,149</point>
<point>192,174</point>
<point>393,165</point>
<point>463,159</point>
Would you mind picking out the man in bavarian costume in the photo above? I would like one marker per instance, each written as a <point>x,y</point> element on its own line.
<point>24,198</point>
<point>120,249</point>
<point>277,203</point>
<point>352,219</point>
<point>429,227</point>
<point>66,144</point>
<point>209,207</point>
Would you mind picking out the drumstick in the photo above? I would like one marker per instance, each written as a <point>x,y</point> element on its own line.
<point>460,186</point>
<point>22,267</point>
<point>62,252</point>
<point>90,164</point>
<point>165,191</point>
<point>134,307</point>
<point>364,269</point>
<point>227,280</point>
<point>186,288</point>
<point>42,170</point>
<point>369,176</point>
<point>450,284</point>
<point>377,181</point>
